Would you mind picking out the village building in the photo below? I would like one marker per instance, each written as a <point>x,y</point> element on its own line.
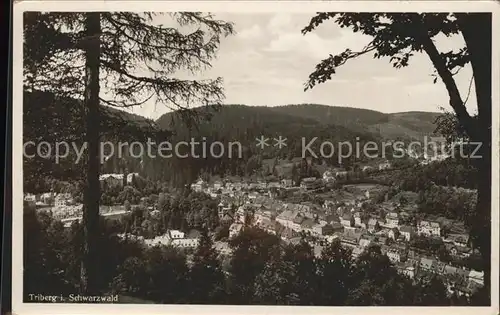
<point>286,183</point>
<point>341,174</point>
<point>425,264</point>
<point>311,183</point>
<point>476,276</point>
<point>111,180</point>
<point>133,177</point>
<point>346,220</point>
<point>384,166</point>
<point>62,200</point>
<point>288,234</point>
<point>190,243</point>
<point>287,217</point>
<point>235,229</point>
<point>429,228</point>
<point>329,177</point>
<point>218,185</point>
<point>460,251</point>
<point>30,199</point>
<point>406,269</point>
<point>407,232</point>
<point>268,225</point>
<point>223,210</point>
<point>365,241</point>
<point>306,225</point>
<point>263,215</point>
<point>327,218</point>
<point>176,234</point>
<point>323,229</point>
<point>357,218</point>
<point>157,241</point>
<point>458,239</point>
<point>393,233</point>
<point>373,225</point>
<point>199,185</point>
<point>47,198</point>
<point>392,220</point>
<point>356,252</point>
<point>367,168</point>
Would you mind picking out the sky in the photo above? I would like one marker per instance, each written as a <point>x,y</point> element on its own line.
<point>268,60</point>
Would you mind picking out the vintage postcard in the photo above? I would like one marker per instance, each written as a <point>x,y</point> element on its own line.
<point>191,157</point>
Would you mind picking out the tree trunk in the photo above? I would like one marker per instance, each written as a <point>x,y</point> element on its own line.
<point>90,266</point>
<point>476,29</point>
<point>477,32</point>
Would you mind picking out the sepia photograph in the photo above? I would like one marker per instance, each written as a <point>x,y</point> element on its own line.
<point>221,154</point>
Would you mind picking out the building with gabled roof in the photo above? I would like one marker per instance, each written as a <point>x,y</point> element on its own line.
<point>429,228</point>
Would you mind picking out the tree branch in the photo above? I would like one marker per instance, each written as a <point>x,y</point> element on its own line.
<point>456,101</point>
<point>326,68</point>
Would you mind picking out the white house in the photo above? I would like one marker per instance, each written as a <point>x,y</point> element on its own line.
<point>185,242</point>
<point>62,200</point>
<point>476,276</point>
<point>240,214</point>
<point>357,218</point>
<point>392,220</point>
<point>159,240</point>
<point>111,180</point>
<point>372,224</point>
<point>30,199</point>
<point>287,217</point>
<point>198,186</point>
<point>429,228</point>
<point>396,255</point>
<point>176,234</point>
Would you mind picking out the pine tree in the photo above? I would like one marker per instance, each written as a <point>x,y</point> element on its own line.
<point>207,279</point>
<point>80,47</point>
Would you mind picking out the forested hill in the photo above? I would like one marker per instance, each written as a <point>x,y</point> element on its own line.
<point>246,123</point>
<point>51,119</point>
<point>404,125</point>
<point>293,122</point>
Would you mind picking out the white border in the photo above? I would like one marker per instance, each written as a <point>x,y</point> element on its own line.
<point>235,6</point>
